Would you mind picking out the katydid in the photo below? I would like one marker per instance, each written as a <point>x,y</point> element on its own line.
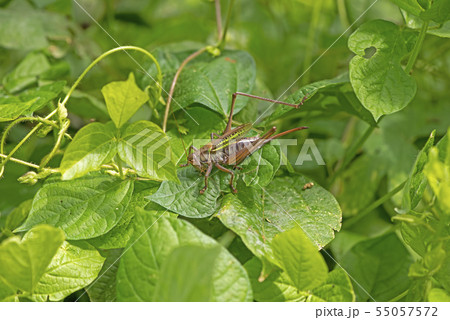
<point>231,147</point>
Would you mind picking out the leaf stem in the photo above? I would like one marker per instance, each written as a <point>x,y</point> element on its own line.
<point>375,205</point>
<point>222,39</point>
<point>62,132</point>
<point>218,19</point>
<point>417,46</point>
<point>174,82</point>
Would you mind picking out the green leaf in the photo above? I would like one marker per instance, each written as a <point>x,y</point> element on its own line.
<point>336,288</point>
<point>20,30</point>
<point>103,288</point>
<point>185,199</point>
<point>379,267</point>
<point>92,146</point>
<point>42,95</point>
<point>439,11</point>
<point>286,205</point>
<point>438,295</point>
<point>354,196</point>
<point>84,208</point>
<point>25,260</point>
<point>156,236</point>
<point>6,293</point>
<point>119,236</point>
<point>123,99</point>
<point>187,275</point>
<point>27,72</point>
<point>72,268</point>
<point>299,258</point>
<point>16,217</point>
<point>261,166</point>
<point>412,6</point>
<point>379,81</point>
<point>278,286</point>
<point>417,182</point>
<point>212,83</point>
<point>146,148</point>
<point>11,111</point>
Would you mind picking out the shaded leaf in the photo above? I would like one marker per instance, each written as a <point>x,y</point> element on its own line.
<point>187,275</point>
<point>278,287</point>
<point>379,268</point>
<point>16,217</point>
<point>103,288</point>
<point>26,72</point>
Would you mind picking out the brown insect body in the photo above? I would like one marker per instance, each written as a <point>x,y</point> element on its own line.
<point>231,148</point>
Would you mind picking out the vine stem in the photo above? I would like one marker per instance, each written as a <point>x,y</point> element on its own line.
<point>174,82</point>
<point>375,204</point>
<point>417,46</point>
<point>107,53</point>
<point>25,163</point>
<point>222,39</point>
<point>32,131</point>
<point>65,126</point>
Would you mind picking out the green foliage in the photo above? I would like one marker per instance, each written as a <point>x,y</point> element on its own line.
<point>93,206</point>
<point>157,234</point>
<point>123,99</point>
<point>379,81</point>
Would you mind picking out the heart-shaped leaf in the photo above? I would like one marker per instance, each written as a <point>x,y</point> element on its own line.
<point>123,99</point>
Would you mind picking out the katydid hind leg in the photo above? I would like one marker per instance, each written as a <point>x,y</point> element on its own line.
<point>218,166</point>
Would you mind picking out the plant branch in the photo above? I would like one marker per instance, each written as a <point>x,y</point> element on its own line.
<point>417,46</point>
<point>375,205</point>
<point>174,82</point>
